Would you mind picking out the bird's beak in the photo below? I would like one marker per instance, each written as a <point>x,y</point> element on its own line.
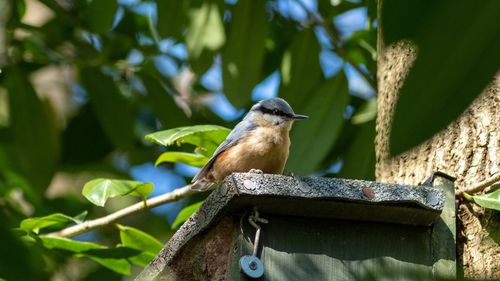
<point>298,116</point>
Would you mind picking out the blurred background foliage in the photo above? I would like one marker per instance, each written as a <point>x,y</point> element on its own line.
<point>83,81</point>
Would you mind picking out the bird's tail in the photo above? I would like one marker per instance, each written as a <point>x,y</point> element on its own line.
<point>201,185</point>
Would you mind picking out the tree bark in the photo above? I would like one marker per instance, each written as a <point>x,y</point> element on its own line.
<point>468,149</point>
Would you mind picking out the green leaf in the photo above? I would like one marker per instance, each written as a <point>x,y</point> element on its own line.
<point>139,240</point>
<point>57,219</point>
<point>163,104</point>
<point>300,69</point>
<point>359,158</point>
<point>191,159</point>
<point>185,213</point>
<point>113,259</point>
<point>61,243</point>
<point>243,55</point>
<point>206,29</point>
<point>100,14</point>
<point>110,106</point>
<point>367,112</point>
<point>33,133</point>
<point>313,138</point>
<point>172,17</point>
<point>207,137</point>
<point>457,57</point>
<point>98,191</point>
<point>489,200</point>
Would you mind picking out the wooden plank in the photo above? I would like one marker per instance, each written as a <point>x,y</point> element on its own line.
<point>444,235</point>
<point>318,249</point>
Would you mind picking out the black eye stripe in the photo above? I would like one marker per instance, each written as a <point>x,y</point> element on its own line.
<point>274,112</point>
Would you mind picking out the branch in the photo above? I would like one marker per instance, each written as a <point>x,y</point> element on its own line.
<point>480,186</point>
<point>128,211</point>
<point>318,21</point>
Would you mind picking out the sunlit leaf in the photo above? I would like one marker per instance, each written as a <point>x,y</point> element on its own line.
<point>98,191</point>
<point>489,200</point>
<point>313,138</point>
<point>207,137</point>
<point>367,112</point>
<point>242,59</point>
<point>191,159</point>
<point>36,223</point>
<point>206,30</point>
<point>185,213</point>
<point>457,57</point>
<point>139,240</point>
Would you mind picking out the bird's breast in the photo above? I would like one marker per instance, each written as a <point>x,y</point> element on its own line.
<point>263,148</point>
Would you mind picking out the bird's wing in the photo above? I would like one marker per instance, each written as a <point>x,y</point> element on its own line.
<point>232,139</point>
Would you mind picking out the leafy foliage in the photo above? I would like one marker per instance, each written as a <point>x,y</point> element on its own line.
<point>185,213</point>
<point>205,137</point>
<point>125,69</point>
<point>98,191</point>
<point>489,200</point>
<point>57,219</point>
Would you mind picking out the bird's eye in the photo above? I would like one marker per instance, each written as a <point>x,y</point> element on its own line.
<point>276,112</point>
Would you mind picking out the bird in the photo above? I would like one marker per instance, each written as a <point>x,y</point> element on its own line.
<point>259,143</point>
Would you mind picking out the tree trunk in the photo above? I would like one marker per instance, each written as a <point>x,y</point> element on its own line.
<point>468,149</point>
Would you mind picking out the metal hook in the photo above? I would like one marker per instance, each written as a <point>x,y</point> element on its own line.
<point>252,266</point>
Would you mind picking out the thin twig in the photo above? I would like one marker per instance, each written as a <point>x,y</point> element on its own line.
<point>318,21</point>
<point>120,214</point>
<point>480,186</point>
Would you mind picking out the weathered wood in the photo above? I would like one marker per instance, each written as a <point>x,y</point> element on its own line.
<point>341,227</point>
<point>444,235</point>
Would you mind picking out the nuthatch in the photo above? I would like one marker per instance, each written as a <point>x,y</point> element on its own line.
<point>259,142</point>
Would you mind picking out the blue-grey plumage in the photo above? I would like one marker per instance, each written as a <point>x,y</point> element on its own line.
<point>260,141</point>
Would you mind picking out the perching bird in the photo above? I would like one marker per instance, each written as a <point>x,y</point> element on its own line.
<point>259,142</point>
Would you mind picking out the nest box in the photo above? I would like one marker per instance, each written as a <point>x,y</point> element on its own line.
<point>280,228</point>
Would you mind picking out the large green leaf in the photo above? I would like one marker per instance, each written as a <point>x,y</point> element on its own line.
<point>489,200</point>
<point>100,14</point>
<point>162,102</point>
<point>191,159</point>
<point>34,140</point>
<point>110,106</point>
<point>359,159</point>
<point>457,57</point>
<point>18,262</point>
<point>172,17</point>
<point>185,213</point>
<point>243,55</point>
<point>114,259</point>
<point>313,138</point>
<point>139,240</point>
<point>36,223</point>
<point>300,69</point>
<point>206,137</point>
<point>206,30</point>
<point>98,191</point>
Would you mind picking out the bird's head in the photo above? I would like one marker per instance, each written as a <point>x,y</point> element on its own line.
<point>274,112</point>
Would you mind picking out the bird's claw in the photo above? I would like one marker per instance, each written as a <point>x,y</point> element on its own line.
<point>256,171</point>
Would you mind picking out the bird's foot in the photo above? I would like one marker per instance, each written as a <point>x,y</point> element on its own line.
<point>256,171</point>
